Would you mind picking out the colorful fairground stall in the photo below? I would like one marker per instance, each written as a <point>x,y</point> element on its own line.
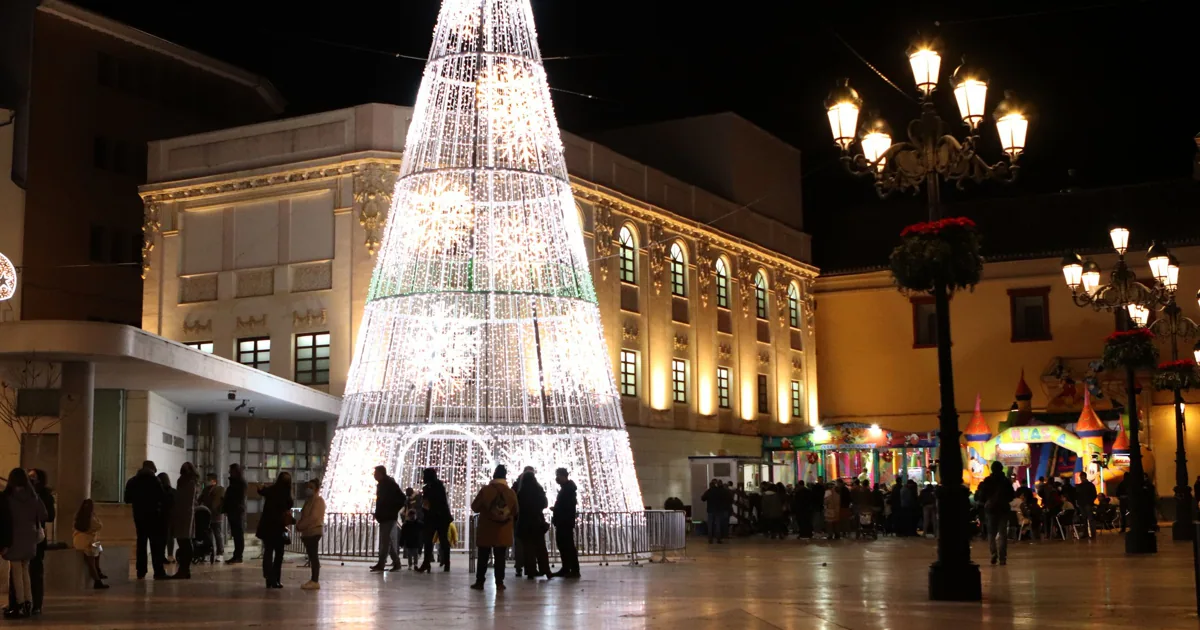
<point>854,450</point>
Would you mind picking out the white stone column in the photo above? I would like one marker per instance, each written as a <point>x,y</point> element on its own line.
<point>75,430</point>
<point>220,446</point>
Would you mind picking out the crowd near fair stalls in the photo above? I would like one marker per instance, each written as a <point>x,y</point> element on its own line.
<point>855,451</point>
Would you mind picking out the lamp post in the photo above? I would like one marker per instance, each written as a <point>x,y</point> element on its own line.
<point>930,157</point>
<point>1175,325</point>
<point>1132,301</point>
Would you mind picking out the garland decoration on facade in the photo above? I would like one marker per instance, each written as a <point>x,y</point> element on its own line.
<point>1130,348</point>
<point>947,249</point>
<point>813,458</point>
<point>1176,375</point>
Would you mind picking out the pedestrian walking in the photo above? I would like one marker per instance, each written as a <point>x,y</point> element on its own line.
<point>436,505</point>
<point>273,527</point>
<point>26,514</point>
<point>497,507</point>
<point>310,528</point>
<point>213,498</point>
<point>1085,503</point>
<point>995,494</point>
<point>145,493</point>
<point>389,501</point>
<point>234,507</point>
<point>565,512</point>
<point>183,519</point>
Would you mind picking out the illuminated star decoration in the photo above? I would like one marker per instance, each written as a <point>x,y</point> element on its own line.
<point>8,278</point>
<point>481,341</point>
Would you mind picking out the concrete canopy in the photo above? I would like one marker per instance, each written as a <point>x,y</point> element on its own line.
<point>129,358</point>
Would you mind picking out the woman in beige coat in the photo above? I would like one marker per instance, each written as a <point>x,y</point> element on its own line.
<point>496,505</point>
<point>311,527</point>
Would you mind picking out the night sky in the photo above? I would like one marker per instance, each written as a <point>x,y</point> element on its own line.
<point>1112,83</point>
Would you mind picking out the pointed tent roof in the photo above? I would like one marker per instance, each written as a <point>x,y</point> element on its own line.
<point>1023,391</point>
<point>1089,423</point>
<point>1121,444</point>
<point>978,427</point>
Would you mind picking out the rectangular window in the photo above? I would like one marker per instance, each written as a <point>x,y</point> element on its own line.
<point>1030,313</point>
<point>628,271</point>
<point>764,402</point>
<point>796,408</point>
<point>722,290</point>
<point>312,358</point>
<point>723,387</point>
<point>629,360</point>
<point>924,323</point>
<point>202,346</point>
<point>679,380</point>
<point>678,271</point>
<point>255,352</point>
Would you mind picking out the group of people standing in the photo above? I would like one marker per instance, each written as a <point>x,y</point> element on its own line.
<point>508,518</point>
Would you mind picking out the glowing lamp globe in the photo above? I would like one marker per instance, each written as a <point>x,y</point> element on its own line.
<point>1159,259</point>
<point>1120,239</point>
<point>926,63</point>
<point>1091,276</point>
<point>842,106</point>
<point>876,140</point>
<point>970,91</point>
<point>1011,125</point>
<point>1172,282</point>
<point>1072,268</point>
<point>1196,348</point>
<point>1138,314</point>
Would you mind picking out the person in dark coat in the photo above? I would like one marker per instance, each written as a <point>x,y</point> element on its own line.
<point>719,502</point>
<point>801,510</point>
<point>183,519</point>
<point>437,519</point>
<point>498,508</point>
<point>164,517</point>
<point>389,501</point>
<point>532,526</point>
<point>518,550</point>
<point>995,494</point>
<point>234,507</point>
<point>272,527</point>
<point>565,509</point>
<point>26,514</point>
<point>37,566</point>
<point>146,494</point>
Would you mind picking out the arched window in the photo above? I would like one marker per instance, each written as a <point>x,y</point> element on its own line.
<point>793,305</point>
<point>722,270</point>
<point>760,294</point>
<point>678,270</point>
<point>628,251</point>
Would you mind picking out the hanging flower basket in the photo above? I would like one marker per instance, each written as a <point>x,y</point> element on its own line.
<point>947,250</point>
<point>885,456</point>
<point>1174,375</point>
<point>813,458</point>
<point>1132,348</point>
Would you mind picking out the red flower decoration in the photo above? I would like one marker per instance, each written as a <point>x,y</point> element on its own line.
<point>1135,335</point>
<point>934,228</point>
<point>1181,365</point>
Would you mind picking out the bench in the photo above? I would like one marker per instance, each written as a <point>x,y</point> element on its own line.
<point>66,572</point>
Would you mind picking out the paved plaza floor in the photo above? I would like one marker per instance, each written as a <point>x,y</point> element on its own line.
<point>752,584</point>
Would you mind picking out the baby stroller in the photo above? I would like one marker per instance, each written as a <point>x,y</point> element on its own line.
<point>866,525</point>
<point>202,542</point>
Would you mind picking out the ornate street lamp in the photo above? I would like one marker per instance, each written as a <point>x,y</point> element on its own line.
<point>929,156</point>
<point>1132,301</point>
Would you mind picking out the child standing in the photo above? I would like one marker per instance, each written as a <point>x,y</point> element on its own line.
<point>410,538</point>
<point>87,525</point>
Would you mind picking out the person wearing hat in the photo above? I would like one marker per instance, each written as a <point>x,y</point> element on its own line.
<point>496,505</point>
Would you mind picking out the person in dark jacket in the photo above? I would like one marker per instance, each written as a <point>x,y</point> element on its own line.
<point>146,494</point>
<point>272,527</point>
<point>437,519</point>
<point>995,494</point>
<point>389,501</point>
<point>26,512</point>
<point>518,550</point>
<point>532,526</point>
<point>565,512</point>
<point>802,510</point>
<point>719,501</point>
<point>234,507</point>
<point>183,519</point>
<point>1085,503</point>
<point>164,516</point>
<point>37,566</point>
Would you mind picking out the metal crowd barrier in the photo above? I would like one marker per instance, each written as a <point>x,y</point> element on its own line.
<point>600,537</point>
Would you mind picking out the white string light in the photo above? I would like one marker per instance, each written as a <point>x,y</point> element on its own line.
<point>481,341</point>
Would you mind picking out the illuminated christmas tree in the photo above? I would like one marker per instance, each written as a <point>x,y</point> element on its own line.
<point>481,341</point>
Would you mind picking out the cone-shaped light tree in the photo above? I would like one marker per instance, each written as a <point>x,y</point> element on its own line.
<point>481,342</point>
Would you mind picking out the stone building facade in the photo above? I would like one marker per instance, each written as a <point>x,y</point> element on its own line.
<point>262,240</point>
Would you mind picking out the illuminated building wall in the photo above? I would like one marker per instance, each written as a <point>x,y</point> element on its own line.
<point>265,230</point>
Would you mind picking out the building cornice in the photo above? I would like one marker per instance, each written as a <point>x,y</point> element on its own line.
<point>153,195</point>
<point>113,28</point>
<point>663,218</point>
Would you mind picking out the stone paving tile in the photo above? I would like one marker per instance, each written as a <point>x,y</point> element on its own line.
<point>750,584</point>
